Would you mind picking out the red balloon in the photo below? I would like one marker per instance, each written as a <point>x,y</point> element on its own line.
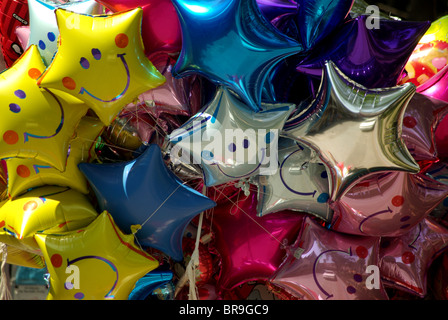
<point>13,14</point>
<point>161,31</point>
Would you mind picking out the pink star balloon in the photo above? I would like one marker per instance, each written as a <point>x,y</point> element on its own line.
<point>250,247</point>
<point>388,204</point>
<point>404,261</point>
<point>327,265</point>
<point>160,24</point>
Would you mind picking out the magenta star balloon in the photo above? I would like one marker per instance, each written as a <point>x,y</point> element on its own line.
<point>405,260</point>
<point>388,204</point>
<point>250,247</point>
<point>327,265</point>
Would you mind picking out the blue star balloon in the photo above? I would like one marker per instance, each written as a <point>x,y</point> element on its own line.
<point>144,197</point>
<point>149,283</point>
<point>232,44</point>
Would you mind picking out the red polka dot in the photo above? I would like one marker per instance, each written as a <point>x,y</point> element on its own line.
<point>23,171</point>
<point>10,137</point>
<point>408,257</point>
<point>30,206</point>
<point>56,260</point>
<point>121,40</point>
<point>69,83</point>
<point>34,73</point>
<point>409,122</point>
<point>397,201</point>
<point>361,252</point>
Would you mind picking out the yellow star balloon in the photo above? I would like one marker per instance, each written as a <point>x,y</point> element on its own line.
<point>24,174</point>
<point>105,263</point>
<point>101,61</point>
<point>35,122</point>
<point>50,208</point>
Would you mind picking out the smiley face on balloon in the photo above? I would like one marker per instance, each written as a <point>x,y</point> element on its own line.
<point>101,61</point>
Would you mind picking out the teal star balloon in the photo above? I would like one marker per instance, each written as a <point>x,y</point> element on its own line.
<point>232,44</point>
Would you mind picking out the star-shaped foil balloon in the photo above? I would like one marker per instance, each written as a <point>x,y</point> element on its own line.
<point>106,261</point>
<point>250,247</point>
<point>35,123</point>
<point>49,208</point>
<point>299,184</point>
<point>388,204</point>
<point>144,197</point>
<point>160,24</point>
<point>326,265</point>
<point>272,9</point>
<point>232,44</point>
<point>374,58</point>
<point>43,26</point>
<point>354,130</point>
<point>24,174</point>
<point>405,260</point>
<point>435,86</point>
<point>229,140</point>
<point>100,60</point>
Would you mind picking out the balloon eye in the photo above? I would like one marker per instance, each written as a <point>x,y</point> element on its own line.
<point>84,63</point>
<point>96,53</point>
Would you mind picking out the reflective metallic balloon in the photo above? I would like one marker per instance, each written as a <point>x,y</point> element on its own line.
<point>388,204</point>
<point>228,140</point>
<point>354,130</point>
<point>232,44</point>
<point>299,184</point>
<point>327,265</point>
<point>160,24</point>
<point>275,8</point>
<point>250,247</point>
<point>318,18</point>
<point>405,260</point>
<point>144,197</point>
<point>436,86</point>
<point>155,284</point>
<point>374,58</point>
<point>44,30</point>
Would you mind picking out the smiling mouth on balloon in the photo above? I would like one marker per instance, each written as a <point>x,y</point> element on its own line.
<point>125,64</point>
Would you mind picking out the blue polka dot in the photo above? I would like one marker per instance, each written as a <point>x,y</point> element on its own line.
<point>269,137</point>
<point>232,147</point>
<point>84,63</point>
<point>324,175</point>
<point>323,197</point>
<point>20,94</point>
<point>51,36</point>
<point>207,155</point>
<point>42,45</point>
<point>13,107</point>
<point>245,143</point>
<point>96,53</point>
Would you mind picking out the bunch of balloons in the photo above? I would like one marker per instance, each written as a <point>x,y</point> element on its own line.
<point>224,149</point>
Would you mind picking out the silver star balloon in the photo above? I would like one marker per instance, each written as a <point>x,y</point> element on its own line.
<point>354,130</point>
<point>299,184</point>
<point>230,141</point>
<point>44,31</point>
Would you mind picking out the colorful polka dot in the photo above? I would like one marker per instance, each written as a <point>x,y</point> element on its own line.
<point>397,201</point>
<point>69,83</point>
<point>232,147</point>
<point>246,143</point>
<point>269,137</point>
<point>96,53</point>
<point>56,260</point>
<point>409,122</point>
<point>14,107</point>
<point>323,197</point>
<point>34,73</point>
<point>362,252</point>
<point>23,171</point>
<point>79,295</point>
<point>351,290</point>
<point>207,155</point>
<point>84,63</point>
<point>121,40</point>
<point>30,206</point>
<point>42,45</point>
<point>20,94</point>
<point>357,277</point>
<point>68,285</point>
<point>324,175</point>
<point>51,36</point>
<point>10,137</point>
<point>408,257</point>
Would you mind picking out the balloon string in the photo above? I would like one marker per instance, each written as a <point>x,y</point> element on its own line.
<point>5,293</point>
